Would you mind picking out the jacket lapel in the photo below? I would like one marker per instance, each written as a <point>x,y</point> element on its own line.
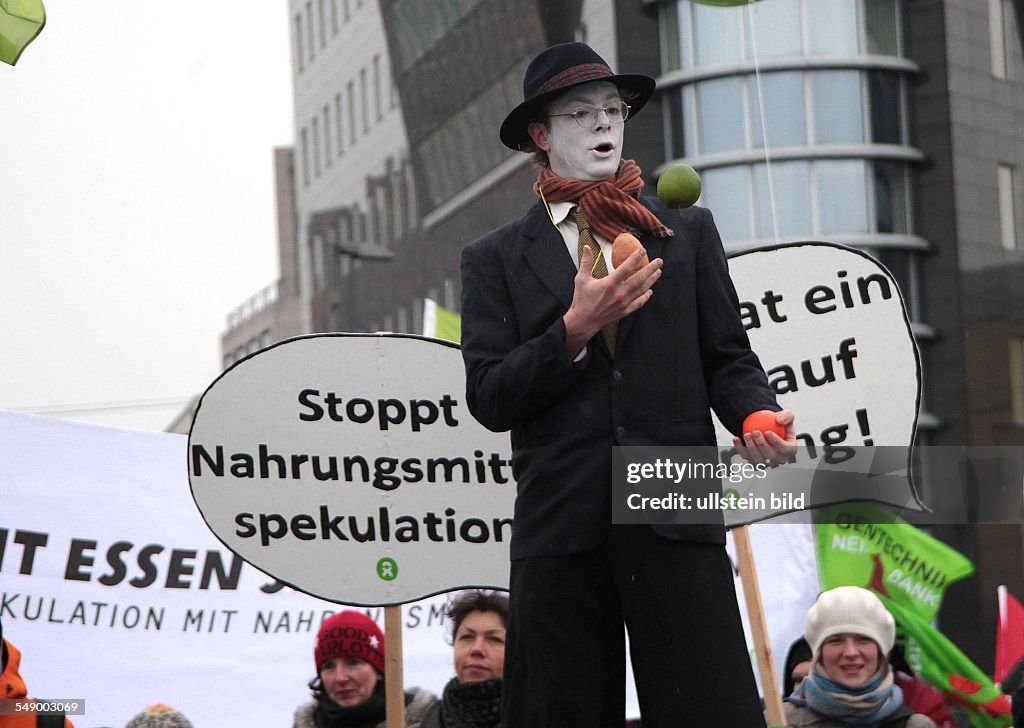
<point>547,256</point>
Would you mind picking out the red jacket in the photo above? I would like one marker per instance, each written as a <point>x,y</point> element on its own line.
<point>12,686</point>
<point>921,697</point>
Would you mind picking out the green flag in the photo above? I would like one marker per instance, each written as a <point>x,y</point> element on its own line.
<point>863,544</point>
<point>20,23</point>
<point>943,665</point>
<point>441,323</point>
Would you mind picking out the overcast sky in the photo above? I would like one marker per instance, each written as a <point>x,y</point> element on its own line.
<point>137,204</point>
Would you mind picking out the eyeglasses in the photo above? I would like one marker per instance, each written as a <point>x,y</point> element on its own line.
<point>587,115</point>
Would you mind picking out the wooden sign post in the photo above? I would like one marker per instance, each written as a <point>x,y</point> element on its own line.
<point>394,689</point>
<point>758,627</point>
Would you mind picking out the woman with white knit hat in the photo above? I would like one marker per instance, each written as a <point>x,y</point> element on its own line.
<point>850,684</point>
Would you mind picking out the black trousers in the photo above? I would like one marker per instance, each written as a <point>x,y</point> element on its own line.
<point>565,655</point>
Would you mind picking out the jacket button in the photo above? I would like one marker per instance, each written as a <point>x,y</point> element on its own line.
<point>617,376</point>
<point>620,431</point>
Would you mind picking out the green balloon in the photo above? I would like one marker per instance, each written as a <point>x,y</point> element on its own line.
<point>679,186</point>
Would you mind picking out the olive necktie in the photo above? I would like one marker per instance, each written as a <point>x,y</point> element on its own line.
<point>600,269</point>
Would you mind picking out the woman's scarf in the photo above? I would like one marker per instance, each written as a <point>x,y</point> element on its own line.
<point>610,205</point>
<point>471,705</point>
<point>365,715</point>
<point>869,704</point>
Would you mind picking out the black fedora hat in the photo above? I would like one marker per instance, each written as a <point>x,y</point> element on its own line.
<point>554,71</point>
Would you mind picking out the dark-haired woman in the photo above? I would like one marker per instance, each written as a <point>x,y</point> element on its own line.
<point>472,699</point>
<point>348,691</point>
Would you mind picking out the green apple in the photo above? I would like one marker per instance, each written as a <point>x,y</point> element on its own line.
<point>679,186</point>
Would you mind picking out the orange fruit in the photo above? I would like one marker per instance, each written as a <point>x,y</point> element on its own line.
<point>623,246</point>
<point>763,421</point>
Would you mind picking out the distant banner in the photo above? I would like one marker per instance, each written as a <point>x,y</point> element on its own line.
<point>440,323</point>
<point>116,592</point>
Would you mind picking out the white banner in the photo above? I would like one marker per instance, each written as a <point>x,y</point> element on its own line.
<point>117,593</point>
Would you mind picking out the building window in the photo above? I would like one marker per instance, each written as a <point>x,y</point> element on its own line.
<point>718,41</point>
<point>668,25</point>
<point>832,27</point>
<point>726,191</point>
<point>327,135</point>
<point>881,28</point>
<point>786,204</point>
<point>322,20</point>
<point>347,8</point>
<point>698,34</point>
<point>1007,200</point>
<point>1017,379</point>
<point>799,198</point>
<point>774,29</point>
<point>304,143</point>
<point>338,126</point>
<point>319,265</point>
<point>721,115</point>
<point>309,29</point>
<point>841,185</point>
<point>364,99</point>
<point>891,197</point>
<point>838,107</point>
<point>886,99</point>
<point>784,117</point>
<point>334,17</point>
<point>316,146</point>
<point>997,36</point>
<point>377,97</point>
<point>734,113</point>
<point>351,112</point>
<point>298,41</point>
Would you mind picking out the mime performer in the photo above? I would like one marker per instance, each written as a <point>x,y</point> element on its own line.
<point>576,357</point>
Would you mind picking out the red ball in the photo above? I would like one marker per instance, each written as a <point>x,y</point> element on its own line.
<point>764,421</point>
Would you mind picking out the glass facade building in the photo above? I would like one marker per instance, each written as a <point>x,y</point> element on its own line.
<point>794,112</point>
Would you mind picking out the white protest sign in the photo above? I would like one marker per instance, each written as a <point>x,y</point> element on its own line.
<point>349,467</point>
<point>832,333</point>
<point>829,325</point>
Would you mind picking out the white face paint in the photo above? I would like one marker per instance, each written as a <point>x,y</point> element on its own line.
<point>590,152</point>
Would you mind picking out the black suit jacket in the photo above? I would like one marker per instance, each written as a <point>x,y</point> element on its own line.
<point>680,355</point>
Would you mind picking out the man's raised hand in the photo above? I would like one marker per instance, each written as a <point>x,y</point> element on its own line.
<point>597,302</point>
